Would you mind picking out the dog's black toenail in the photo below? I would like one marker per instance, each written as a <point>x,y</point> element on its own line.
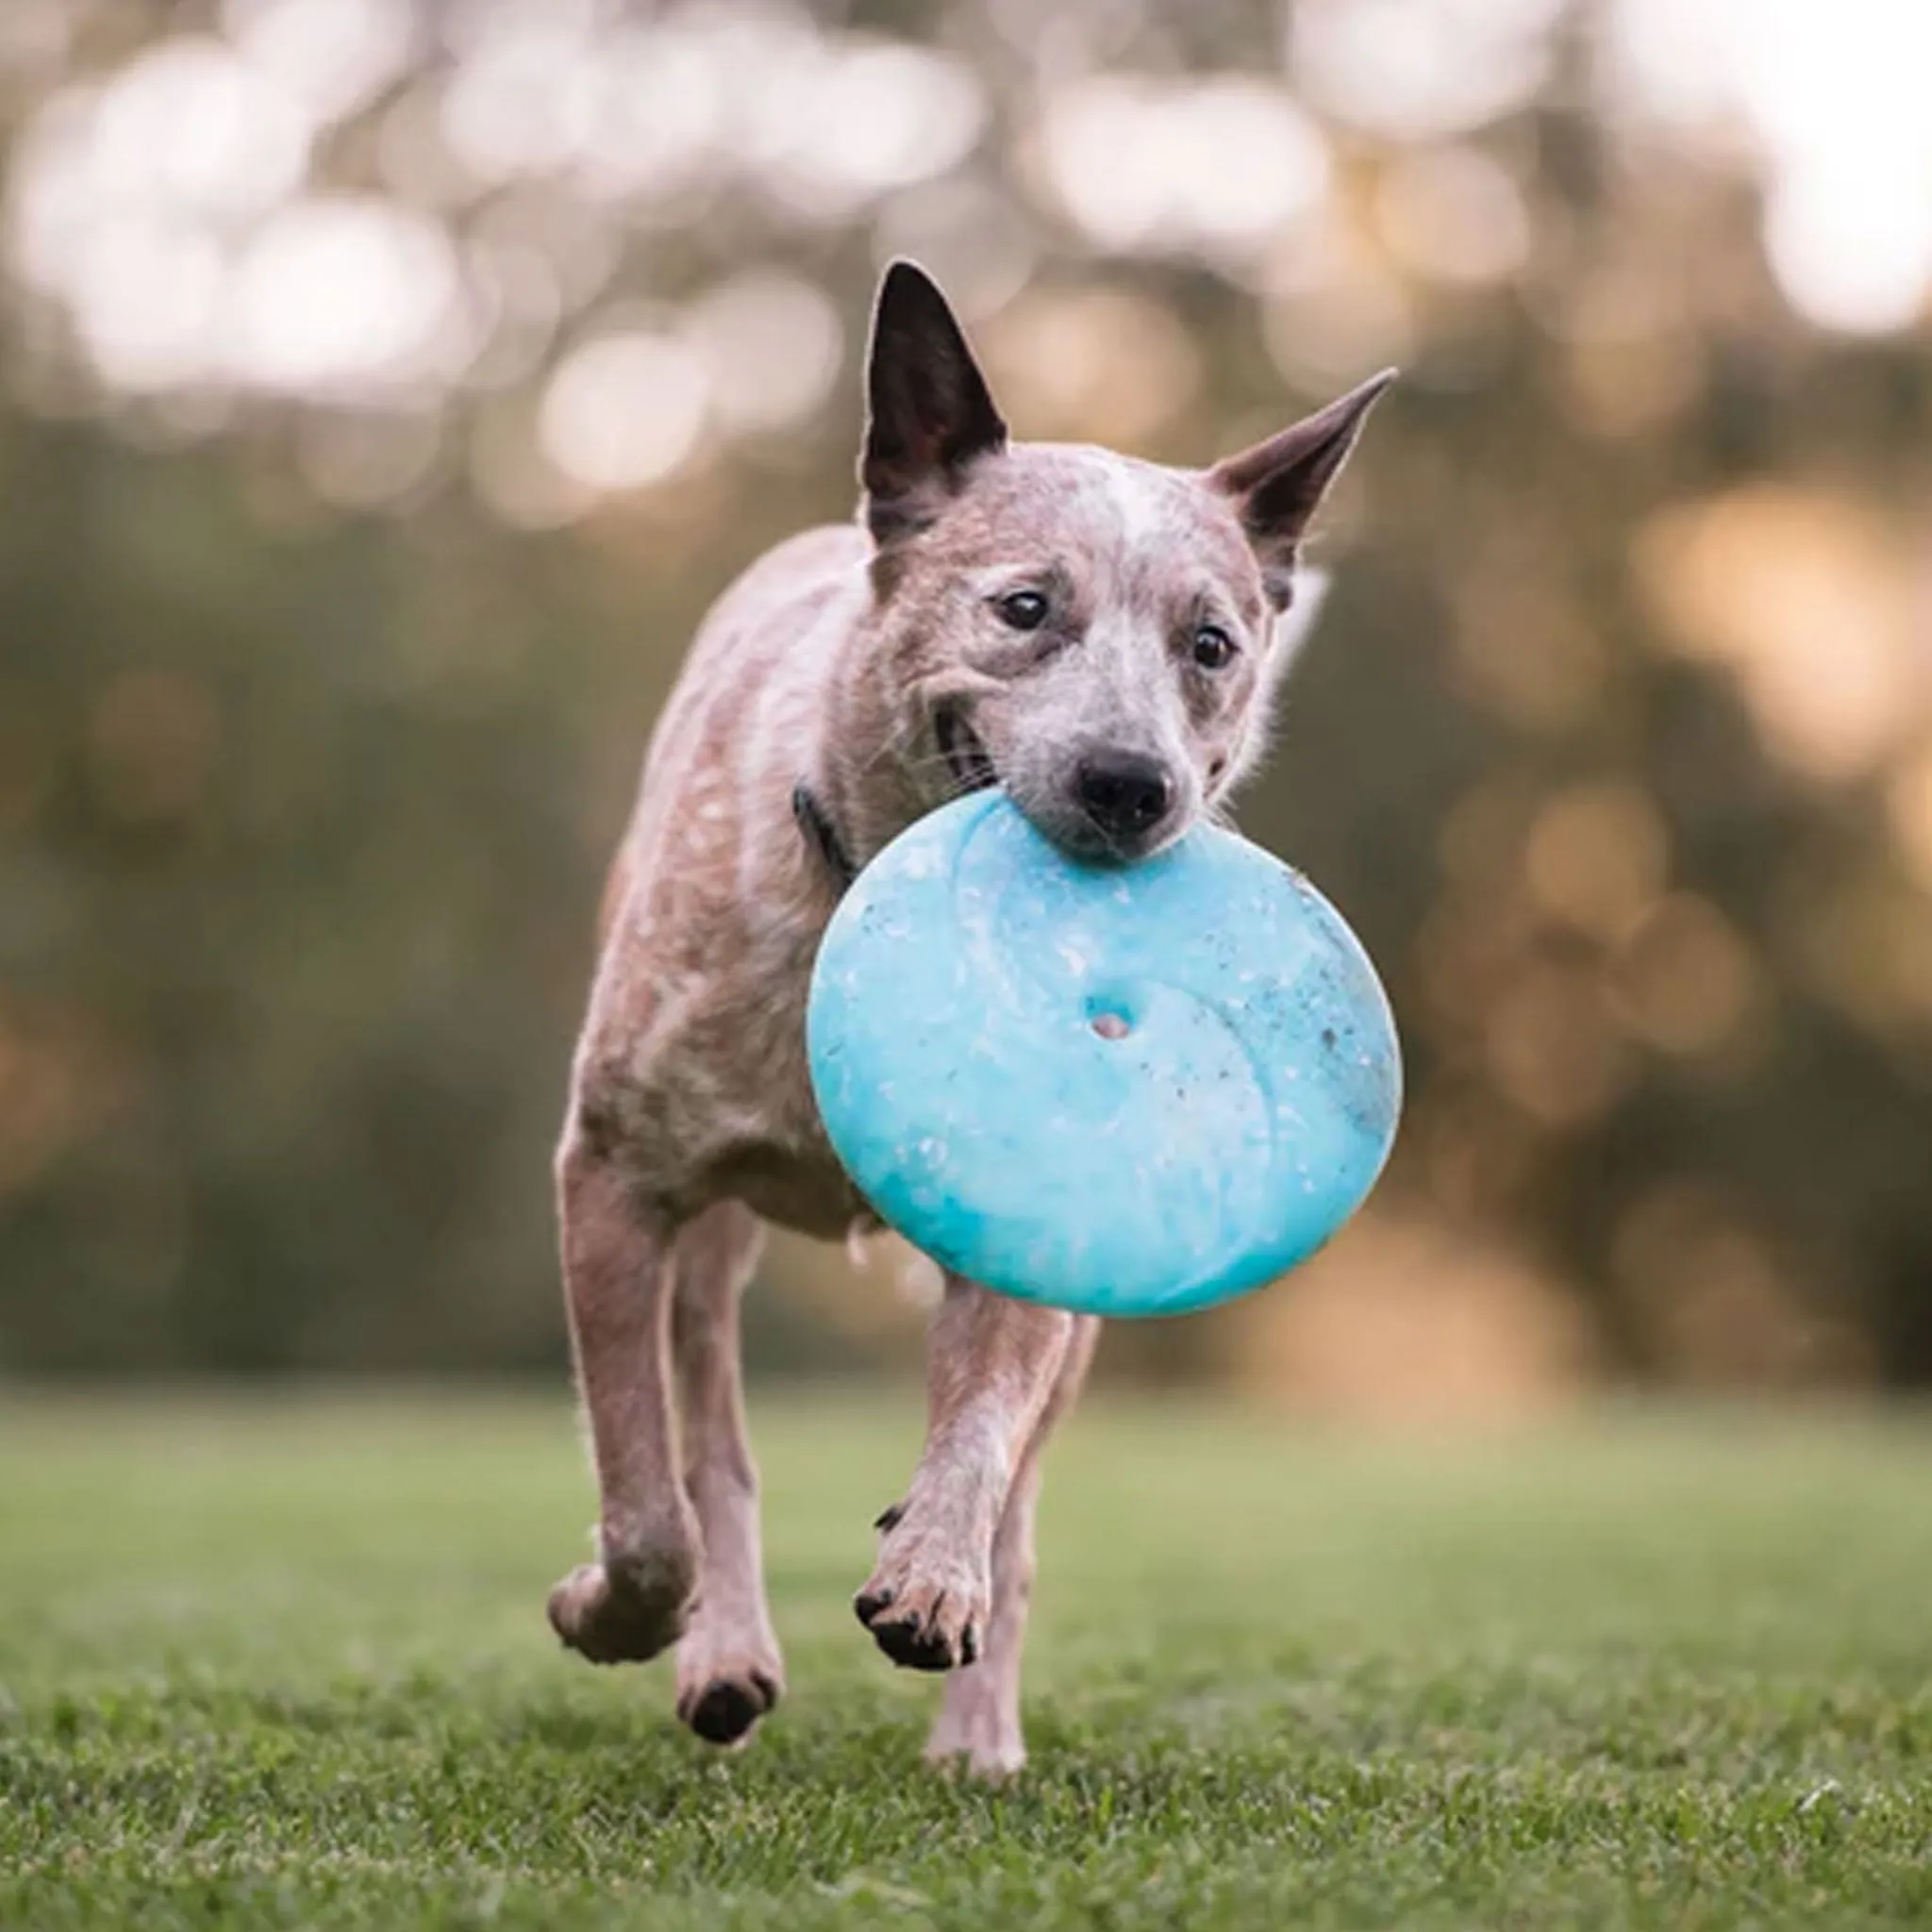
<point>889,1516</point>
<point>920,1655</point>
<point>911,1645</point>
<point>969,1646</point>
<point>867,1605</point>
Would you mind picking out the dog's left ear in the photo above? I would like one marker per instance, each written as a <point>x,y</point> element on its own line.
<point>930,412</point>
<point>1278,485</point>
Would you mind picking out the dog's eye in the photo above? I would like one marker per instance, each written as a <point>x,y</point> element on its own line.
<point>1022,609</point>
<point>1213,647</point>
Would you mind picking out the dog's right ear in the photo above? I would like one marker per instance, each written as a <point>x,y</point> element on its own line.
<point>930,412</point>
<point>1278,485</point>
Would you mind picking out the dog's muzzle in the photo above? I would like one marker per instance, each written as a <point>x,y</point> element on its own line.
<point>967,759</point>
<point>820,833</point>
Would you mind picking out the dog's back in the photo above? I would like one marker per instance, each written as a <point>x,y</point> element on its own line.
<point>747,704</point>
<point>693,1048</point>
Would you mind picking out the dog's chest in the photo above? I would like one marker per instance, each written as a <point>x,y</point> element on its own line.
<point>716,1100</point>
<point>781,1163</point>
<point>803,1189</point>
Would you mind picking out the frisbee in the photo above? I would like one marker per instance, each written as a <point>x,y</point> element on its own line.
<point>1125,1091</point>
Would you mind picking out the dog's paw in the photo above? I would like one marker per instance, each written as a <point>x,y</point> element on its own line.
<point>924,1616</point>
<point>993,1759</point>
<point>726,1680</point>
<point>627,1612</point>
<point>978,1731</point>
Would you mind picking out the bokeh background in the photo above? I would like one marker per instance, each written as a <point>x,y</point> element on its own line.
<point>388,388</point>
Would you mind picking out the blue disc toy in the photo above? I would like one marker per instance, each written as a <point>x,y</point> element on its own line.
<point>1124,1091</point>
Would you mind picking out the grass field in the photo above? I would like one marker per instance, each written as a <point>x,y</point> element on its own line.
<point>287,1666</point>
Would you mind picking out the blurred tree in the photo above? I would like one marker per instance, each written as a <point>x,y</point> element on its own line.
<point>390,388</point>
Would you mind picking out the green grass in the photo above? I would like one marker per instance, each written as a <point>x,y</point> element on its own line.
<point>287,1666</point>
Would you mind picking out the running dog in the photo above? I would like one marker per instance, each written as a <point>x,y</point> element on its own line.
<point>1101,637</point>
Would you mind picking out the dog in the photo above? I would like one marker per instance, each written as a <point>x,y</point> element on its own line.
<point>1100,636</point>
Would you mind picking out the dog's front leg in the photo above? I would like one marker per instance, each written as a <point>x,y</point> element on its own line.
<point>634,1601</point>
<point>979,1719</point>
<point>993,1365</point>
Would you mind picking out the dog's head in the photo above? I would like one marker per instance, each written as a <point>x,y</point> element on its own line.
<point>1098,635</point>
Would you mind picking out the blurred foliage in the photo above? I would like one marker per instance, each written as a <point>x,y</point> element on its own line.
<point>390,391</point>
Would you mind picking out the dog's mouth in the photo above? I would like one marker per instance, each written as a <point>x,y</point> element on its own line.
<point>967,757</point>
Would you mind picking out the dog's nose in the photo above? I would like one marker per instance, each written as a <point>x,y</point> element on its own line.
<point>1124,792</point>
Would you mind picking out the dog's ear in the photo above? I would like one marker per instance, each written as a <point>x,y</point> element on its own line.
<point>930,412</point>
<point>1278,485</point>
